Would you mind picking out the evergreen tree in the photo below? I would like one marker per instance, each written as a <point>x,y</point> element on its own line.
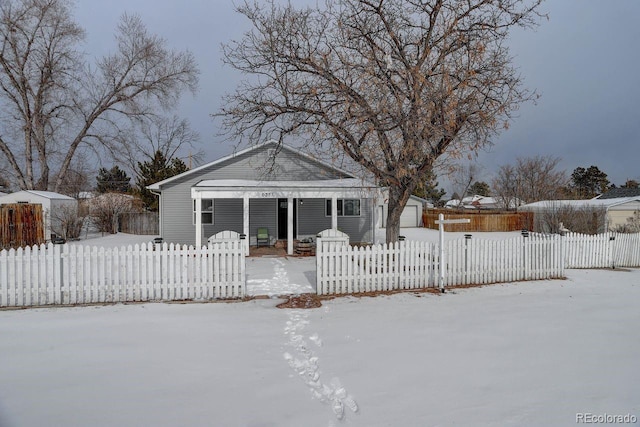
<point>157,169</point>
<point>589,182</point>
<point>113,180</point>
<point>429,190</point>
<point>480,188</point>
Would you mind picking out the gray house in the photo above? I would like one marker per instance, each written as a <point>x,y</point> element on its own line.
<point>291,194</point>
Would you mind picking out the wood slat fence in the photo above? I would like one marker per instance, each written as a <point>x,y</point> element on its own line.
<point>21,224</point>
<point>76,274</point>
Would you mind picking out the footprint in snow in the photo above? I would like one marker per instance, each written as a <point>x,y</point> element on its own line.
<point>305,363</point>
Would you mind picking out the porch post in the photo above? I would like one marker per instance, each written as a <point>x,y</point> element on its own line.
<point>198,202</point>
<point>290,225</point>
<point>245,222</point>
<point>334,212</point>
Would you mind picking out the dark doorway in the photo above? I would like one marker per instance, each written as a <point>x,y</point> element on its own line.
<point>282,218</point>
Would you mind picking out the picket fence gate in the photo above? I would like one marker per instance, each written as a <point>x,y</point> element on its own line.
<point>76,274</point>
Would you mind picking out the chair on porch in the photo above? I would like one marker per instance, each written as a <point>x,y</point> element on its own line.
<point>262,237</point>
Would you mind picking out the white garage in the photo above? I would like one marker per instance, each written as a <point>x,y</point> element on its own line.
<point>411,215</point>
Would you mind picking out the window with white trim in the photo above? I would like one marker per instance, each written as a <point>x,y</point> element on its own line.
<point>346,207</point>
<point>207,211</point>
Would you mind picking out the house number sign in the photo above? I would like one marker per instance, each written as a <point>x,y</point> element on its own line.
<point>267,195</point>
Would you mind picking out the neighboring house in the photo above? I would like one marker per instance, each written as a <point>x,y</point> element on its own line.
<point>411,215</point>
<point>51,203</point>
<point>268,186</point>
<point>616,210</point>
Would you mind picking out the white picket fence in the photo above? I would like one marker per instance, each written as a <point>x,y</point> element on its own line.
<point>482,261</point>
<point>604,250</point>
<point>76,274</point>
<point>343,269</point>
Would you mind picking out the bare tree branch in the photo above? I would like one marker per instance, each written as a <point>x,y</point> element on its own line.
<point>53,102</point>
<point>396,85</point>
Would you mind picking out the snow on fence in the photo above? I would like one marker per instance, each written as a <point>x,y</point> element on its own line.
<point>76,274</point>
<point>343,269</point>
<point>603,250</point>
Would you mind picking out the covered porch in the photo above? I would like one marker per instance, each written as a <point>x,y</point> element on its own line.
<point>295,206</point>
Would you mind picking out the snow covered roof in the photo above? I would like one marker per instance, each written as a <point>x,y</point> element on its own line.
<point>594,203</point>
<point>249,183</point>
<point>46,194</point>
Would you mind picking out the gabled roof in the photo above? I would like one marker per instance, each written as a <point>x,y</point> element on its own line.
<point>157,186</point>
<point>616,193</point>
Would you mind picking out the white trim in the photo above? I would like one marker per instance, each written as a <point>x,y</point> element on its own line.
<point>245,222</point>
<point>290,225</point>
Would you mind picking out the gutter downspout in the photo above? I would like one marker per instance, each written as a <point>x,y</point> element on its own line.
<point>159,194</point>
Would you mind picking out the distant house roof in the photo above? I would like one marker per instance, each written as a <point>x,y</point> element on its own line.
<point>593,203</point>
<point>616,193</point>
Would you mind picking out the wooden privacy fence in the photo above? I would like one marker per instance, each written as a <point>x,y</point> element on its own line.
<point>21,224</point>
<point>76,274</point>
<point>603,250</point>
<point>480,220</point>
<point>344,269</point>
<point>146,223</point>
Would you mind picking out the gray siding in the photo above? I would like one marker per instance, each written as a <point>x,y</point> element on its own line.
<point>177,206</point>
<point>312,219</point>
<point>262,213</point>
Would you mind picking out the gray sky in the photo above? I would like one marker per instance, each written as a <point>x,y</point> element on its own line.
<point>583,61</point>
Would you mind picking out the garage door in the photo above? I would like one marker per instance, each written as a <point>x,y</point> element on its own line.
<point>409,217</point>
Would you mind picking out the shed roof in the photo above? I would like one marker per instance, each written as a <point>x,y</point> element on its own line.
<point>45,194</point>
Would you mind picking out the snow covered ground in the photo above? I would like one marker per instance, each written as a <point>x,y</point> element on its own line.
<point>521,354</point>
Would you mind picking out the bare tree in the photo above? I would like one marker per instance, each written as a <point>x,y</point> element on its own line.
<point>66,222</point>
<point>54,103</point>
<point>531,179</point>
<point>106,208</point>
<point>558,217</point>
<point>170,136</point>
<point>394,84</point>
<point>461,176</point>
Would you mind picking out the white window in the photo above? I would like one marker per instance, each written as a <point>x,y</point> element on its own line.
<point>346,207</point>
<point>207,211</point>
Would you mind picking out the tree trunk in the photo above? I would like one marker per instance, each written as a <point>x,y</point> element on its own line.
<point>398,198</point>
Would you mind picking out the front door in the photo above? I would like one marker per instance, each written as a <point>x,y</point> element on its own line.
<point>282,218</point>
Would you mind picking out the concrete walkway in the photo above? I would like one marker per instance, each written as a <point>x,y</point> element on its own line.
<point>273,276</point>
